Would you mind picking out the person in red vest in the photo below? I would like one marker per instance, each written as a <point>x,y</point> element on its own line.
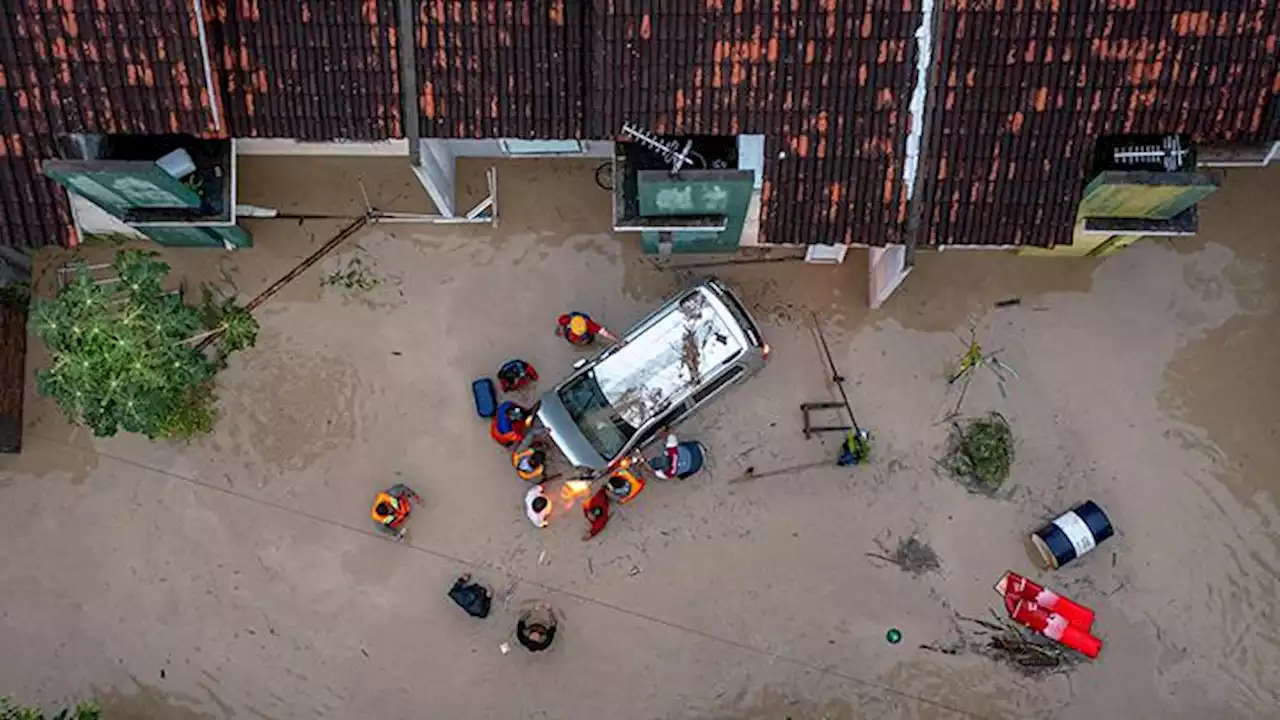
<point>509,424</point>
<point>597,511</point>
<point>579,329</point>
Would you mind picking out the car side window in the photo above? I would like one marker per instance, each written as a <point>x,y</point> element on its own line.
<point>706,391</point>
<point>663,421</point>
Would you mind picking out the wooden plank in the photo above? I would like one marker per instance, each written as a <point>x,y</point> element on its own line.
<point>13,363</point>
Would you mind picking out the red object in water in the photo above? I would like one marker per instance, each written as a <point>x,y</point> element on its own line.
<point>1054,625</point>
<point>1078,615</point>
<point>597,511</point>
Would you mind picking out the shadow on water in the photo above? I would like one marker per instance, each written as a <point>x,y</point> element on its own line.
<point>779,704</point>
<point>148,703</point>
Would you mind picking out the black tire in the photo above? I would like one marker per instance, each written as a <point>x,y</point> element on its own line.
<point>604,176</point>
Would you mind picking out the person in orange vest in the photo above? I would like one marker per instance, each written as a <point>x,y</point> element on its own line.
<point>530,464</point>
<point>624,485</point>
<point>391,509</point>
<point>510,423</point>
<point>579,329</point>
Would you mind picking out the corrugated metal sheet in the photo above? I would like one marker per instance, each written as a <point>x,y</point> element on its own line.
<point>1025,89</point>
<point>80,67</point>
<point>309,69</point>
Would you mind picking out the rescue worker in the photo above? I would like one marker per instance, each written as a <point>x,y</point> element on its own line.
<point>537,506</point>
<point>515,374</point>
<point>597,511</point>
<point>579,329</point>
<point>530,464</point>
<point>536,627</point>
<point>391,509</point>
<point>624,485</point>
<point>510,423</point>
<point>678,460</point>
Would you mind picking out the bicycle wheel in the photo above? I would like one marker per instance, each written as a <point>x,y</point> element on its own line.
<point>604,176</point>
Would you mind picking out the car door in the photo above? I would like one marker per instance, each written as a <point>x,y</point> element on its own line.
<point>669,417</point>
<point>708,392</point>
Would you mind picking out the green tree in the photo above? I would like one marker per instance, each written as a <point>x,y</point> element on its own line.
<point>83,711</point>
<point>127,355</point>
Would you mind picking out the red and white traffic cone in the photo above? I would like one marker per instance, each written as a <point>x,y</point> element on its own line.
<point>1052,625</point>
<point>1078,615</point>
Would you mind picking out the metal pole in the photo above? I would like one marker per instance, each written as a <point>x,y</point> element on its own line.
<point>835,375</point>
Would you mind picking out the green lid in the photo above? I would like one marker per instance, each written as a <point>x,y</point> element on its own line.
<point>894,636</point>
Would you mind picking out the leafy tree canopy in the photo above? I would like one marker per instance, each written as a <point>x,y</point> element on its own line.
<point>125,355</point>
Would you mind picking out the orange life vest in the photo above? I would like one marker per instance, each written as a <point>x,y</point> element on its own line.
<point>517,461</point>
<point>399,510</point>
<point>633,486</point>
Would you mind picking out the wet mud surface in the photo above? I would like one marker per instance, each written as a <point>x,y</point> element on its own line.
<point>240,565</point>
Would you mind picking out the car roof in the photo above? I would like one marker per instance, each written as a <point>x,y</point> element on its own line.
<point>675,351</point>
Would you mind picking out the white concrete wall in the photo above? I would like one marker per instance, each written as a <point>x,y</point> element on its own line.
<point>887,268</point>
<point>285,146</point>
<point>435,170</point>
<point>492,148</point>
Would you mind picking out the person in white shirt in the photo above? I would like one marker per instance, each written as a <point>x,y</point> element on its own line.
<point>537,506</point>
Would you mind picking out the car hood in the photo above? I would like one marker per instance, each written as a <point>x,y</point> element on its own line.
<point>564,431</point>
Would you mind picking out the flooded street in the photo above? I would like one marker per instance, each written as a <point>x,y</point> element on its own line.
<point>236,577</point>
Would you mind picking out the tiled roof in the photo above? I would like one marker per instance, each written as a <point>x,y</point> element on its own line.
<point>309,69</point>
<point>101,68</point>
<point>1021,90</point>
<point>1025,89</point>
<point>509,69</point>
<point>828,85</point>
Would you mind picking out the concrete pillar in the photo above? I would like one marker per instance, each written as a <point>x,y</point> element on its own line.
<point>887,267</point>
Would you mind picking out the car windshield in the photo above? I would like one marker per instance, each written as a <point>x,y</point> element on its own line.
<point>600,424</point>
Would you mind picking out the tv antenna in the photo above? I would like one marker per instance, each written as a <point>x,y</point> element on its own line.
<point>670,150</point>
<point>1169,152</point>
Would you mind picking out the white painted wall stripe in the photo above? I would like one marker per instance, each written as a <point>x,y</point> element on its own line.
<point>208,69</point>
<point>919,95</point>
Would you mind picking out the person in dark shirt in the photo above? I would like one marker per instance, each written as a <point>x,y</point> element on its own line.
<point>536,627</point>
<point>472,597</point>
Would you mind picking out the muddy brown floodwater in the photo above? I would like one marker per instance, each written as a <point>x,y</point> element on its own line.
<point>235,576</point>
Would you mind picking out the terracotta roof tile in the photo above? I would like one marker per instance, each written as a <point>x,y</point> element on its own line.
<point>309,69</point>
<point>1025,89</point>
<point>100,68</point>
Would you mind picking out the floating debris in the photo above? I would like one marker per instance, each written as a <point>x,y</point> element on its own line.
<point>912,556</point>
<point>980,452</point>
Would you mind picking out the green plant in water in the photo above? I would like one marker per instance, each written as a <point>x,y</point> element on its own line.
<point>11,711</point>
<point>980,451</point>
<point>124,354</point>
<point>354,277</point>
<point>16,295</point>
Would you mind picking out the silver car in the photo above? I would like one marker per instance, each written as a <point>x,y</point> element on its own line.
<point>679,358</point>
